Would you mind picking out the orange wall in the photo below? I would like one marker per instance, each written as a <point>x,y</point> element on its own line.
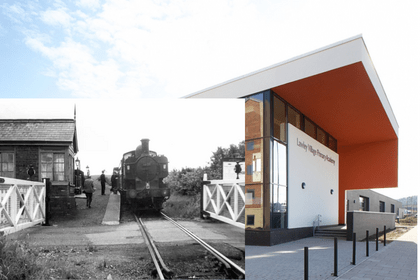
<point>367,166</point>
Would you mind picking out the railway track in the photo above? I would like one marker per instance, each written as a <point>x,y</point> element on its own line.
<point>231,269</point>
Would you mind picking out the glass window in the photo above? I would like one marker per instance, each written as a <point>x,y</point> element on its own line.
<point>250,220</point>
<point>381,206</point>
<point>254,112</point>
<point>392,208</point>
<point>46,165</point>
<point>278,207</point>
<point>294,117</point>
<point>52,166</point>
<point>364,203</point>
<point>278,163</point>
<point>278,195</point>
<point>321,136</point>
<point>332,144</point>
<point>58,167</point>
<point>310,128</point>
<point>279,122</point>
<point>7,164</point>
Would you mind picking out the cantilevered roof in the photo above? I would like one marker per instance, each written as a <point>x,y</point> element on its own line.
<point>34,130</point>
<point>336,86</point>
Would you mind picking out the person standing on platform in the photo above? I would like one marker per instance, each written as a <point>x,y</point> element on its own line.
<point>88,189</point>
<point>103,180</point>
<point>114,180</point>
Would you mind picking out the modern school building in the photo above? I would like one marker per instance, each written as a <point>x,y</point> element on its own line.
<point>316,126</point>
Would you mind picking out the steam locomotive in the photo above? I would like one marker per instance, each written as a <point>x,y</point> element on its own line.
<point>142,174</point>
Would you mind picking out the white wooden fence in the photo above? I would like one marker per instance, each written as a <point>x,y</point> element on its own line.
<point>224,200</point>
<point>22,204</point>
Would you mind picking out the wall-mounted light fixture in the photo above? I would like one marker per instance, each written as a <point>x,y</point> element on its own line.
<point>331,191</point>
<point>303,185</point>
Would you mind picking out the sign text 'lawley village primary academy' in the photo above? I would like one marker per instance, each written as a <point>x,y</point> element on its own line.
<point>313,151</point>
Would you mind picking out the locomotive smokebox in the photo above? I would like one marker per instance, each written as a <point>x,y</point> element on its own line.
<point>145,146</point>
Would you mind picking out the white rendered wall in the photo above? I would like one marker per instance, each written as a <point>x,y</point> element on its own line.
<point>320,174</point>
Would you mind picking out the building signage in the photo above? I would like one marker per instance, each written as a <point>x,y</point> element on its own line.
<point>314,152</point>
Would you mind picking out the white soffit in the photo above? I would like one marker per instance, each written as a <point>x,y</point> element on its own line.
<point>328,58</point>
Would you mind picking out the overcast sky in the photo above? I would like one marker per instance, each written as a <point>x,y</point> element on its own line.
<point>169,49</point>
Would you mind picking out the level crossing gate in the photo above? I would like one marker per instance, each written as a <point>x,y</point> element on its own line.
<point>224,200</point>
<point>22,204</point>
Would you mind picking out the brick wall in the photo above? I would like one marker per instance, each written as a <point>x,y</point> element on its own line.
<point>25,156</point>
<point>254,151</point>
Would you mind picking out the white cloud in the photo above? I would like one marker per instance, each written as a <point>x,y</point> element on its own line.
<point>89,4</point>
<point>128,46</point>
<point>174,48</point>
<point>56,17</point>
<point>15,12</point>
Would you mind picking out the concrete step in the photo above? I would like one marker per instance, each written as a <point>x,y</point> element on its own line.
<point>330,234</point>
<point>333,233</point>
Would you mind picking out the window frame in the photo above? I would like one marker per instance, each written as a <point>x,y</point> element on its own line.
<point>53,164</point>
<point>366,202</point>
<point>250,218</point>
<point>382,206</point>
<point>13,172</point>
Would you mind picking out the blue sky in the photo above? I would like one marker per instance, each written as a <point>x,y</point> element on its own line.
<point>169,49</point>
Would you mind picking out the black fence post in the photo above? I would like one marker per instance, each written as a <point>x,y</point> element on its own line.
<point>306,264</point>
<point>367,243</point>
<point>47,201</point>
<point>354,249</point>
<point>384,235</point>
<point>335,256</point>
<point>377,238</point>
<point>201,200</point>
<point>203,182</point>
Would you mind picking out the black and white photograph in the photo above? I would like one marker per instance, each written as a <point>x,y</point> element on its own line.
<point>123,189</point>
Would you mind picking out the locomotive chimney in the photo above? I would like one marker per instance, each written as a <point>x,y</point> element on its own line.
<point>145,146</point>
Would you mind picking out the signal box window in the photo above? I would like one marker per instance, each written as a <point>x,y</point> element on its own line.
<point>52,166</point>
<point>7,164</point>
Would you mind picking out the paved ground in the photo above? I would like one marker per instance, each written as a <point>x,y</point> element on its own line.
<point>397,260</point>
